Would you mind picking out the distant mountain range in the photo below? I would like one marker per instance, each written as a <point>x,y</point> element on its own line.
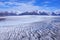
<point>30,13</point>
<point>41,13</point>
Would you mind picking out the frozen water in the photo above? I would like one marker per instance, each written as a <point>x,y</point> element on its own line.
<point>30,28</point>
<point>15,20</point>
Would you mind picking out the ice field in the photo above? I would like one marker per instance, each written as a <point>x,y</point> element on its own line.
<point>30,28</point>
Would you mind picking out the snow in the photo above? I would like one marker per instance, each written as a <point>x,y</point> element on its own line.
<point>15,20</point>
<point>30,28</point>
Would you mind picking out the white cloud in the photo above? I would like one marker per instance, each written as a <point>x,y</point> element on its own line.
<point>23,7</point>
<point>32,2</point>
<point>1,3</point>
<point>46,3</point>
<point>57,11</point>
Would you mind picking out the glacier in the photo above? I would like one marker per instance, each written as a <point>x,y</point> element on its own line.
<point>30,28</point>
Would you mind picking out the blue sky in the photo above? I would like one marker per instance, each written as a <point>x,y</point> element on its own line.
<point>29,5</point>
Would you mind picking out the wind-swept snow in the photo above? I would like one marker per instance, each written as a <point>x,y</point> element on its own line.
<point>36,28</point>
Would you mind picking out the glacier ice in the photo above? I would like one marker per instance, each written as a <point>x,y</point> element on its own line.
<point>41,30</point>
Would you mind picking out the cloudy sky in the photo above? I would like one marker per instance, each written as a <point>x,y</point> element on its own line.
<point>29,5</point>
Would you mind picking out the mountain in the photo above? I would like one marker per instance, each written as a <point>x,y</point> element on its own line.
<point>34,13</point>
<point>7,14</point>
<point>30,13</point>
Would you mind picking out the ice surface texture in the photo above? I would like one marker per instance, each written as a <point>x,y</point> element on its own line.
<point>44,30</point>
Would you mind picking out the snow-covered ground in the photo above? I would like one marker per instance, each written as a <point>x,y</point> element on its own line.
<point>30,28</point>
